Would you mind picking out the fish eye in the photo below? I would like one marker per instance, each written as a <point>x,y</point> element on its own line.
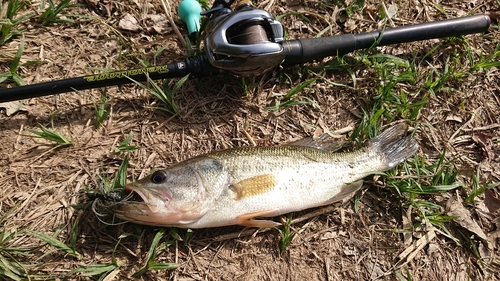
<point>158,177</point>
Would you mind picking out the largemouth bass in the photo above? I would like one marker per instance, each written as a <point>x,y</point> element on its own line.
<point>240,186</point>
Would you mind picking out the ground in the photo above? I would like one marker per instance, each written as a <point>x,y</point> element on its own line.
<point>447,89</point>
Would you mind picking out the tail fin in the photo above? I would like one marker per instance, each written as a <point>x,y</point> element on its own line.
<point>395,144</point>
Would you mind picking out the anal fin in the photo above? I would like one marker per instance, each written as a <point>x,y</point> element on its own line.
<point>249,221</point>
<point>346,192</point>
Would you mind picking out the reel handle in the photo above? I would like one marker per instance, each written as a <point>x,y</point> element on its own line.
<point>190,13</point>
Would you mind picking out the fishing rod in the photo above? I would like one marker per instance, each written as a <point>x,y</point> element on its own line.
<point>248,41</point>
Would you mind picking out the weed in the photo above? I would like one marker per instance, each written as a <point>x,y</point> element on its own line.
<point>436,80</point>
<point>288,14</point>
<point>103,269</point>
<point>357,199</point>
<point>52,13</point>
<point>184,235</point>
<point>121,175</point>
<point>124,145</point>
<point>165,94</point>
<point>389,103</point>
<point>106,185</point>
<point>191,50</point>
<point>73,237</point>
<point>158,52</point>
<point>154,249</point>
<point>10,268</point>
<point>12,19</point>
<point>401,277</point>
<point>291,98</point>
<point>431,179</point>
<point>287,235</point>
<point>14,67</point>
<point>476,189</point>
<point>487,62</point>
<point>95,269</point>
<point>53,241</point>
<point>246,85</point>
<point>108,189</point>
<point>51,135</point>
<point>102,109</point>
<point>351,7</point>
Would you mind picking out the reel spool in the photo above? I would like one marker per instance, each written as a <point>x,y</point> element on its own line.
<point>245,42</point>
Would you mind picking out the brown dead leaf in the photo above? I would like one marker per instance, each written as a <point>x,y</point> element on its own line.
<point>300,26</point>
<point>159,23</point>
<point>12,107</point>
<point>486,143</point>
<point>412,250</point>
<point>129,22</point>
<point>350,25</point>
<point>453,117</point>
<point>464,217</point>
<point>491,202</point>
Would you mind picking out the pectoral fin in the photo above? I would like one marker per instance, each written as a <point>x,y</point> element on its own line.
<point>247,219</point>
<point>253,186</point>
<point>346,192</point>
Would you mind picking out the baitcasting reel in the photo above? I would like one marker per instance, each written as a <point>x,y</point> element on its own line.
<point>246,41</point>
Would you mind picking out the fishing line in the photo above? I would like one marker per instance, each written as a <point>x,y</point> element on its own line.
<point>250,34</point>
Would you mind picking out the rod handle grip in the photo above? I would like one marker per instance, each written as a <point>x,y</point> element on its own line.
<point>310,49</point>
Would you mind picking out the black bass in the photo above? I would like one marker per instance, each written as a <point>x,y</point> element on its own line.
<point>240,185</point>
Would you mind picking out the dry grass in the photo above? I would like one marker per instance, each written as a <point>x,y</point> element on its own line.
<point>360,240</point>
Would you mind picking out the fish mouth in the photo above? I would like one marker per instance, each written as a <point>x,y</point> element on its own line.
<point>132,196</point>
<point>151,206</point>
<point>153,200</point>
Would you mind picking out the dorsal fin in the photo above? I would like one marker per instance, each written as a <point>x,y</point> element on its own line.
<point>324,142</point>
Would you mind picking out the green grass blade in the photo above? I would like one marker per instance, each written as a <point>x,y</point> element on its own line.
<point>74,235</point>
<point>11,269</point>
<point>50,135</point>
<point>165,95</point>
<point>17,79</point>
<point>14,65</point>
<point>121,176</point>
<point>101,109</point>
<point>299,88</point>
<point>94,269</point>
<point>179,84</point>
<point>286,235</point>
<point>56,243</point>
<point>153,249</point>
<point>124,145</point>
<point>162,266</point>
